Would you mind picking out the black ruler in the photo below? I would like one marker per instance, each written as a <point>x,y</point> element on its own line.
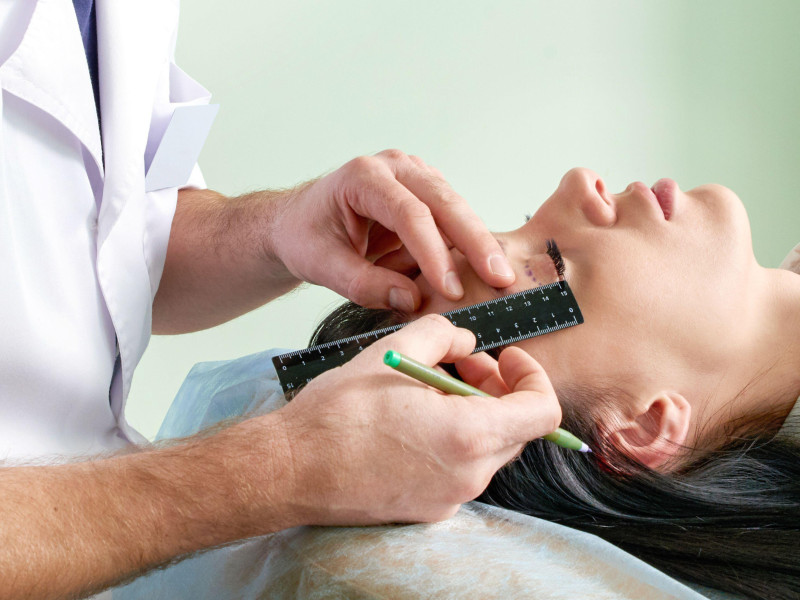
<point>495,323</point>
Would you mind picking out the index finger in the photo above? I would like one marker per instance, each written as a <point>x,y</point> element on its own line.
<point>459,223</point>
<point>531,410</point>
<point>431,339</point>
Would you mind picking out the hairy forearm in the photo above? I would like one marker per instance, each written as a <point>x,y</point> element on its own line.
<point>72,529</point>
<point>220,263</point>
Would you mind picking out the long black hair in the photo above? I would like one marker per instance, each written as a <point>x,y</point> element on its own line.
<point>727,519</point>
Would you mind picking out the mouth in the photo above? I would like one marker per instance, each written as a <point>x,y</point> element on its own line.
<point>665,191</point>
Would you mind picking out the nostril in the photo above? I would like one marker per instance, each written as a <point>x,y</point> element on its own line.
<point>601,189</point>
<point>602,213</point>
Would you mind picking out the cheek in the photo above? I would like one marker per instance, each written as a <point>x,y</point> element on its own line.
<point>647,319</point>
<point>596,356</point>
<point>535,271</point>
<point>549,218</point>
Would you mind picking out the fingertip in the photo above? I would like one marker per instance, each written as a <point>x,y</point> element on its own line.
<point>435,320</point>
<point>462,345</point>
<point>501,267</point>
<point>515,353</point>
<point>487,258</point>
<point>404,300</point>
<point>378,287</point>
<point>470,336</point>
<point>432,339</point>
<point>452,285</point>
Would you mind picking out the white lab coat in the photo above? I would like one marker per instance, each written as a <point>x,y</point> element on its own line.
<point>82,245</point>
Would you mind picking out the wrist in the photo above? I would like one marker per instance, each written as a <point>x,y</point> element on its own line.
<point>257,458</point>
<point>278,237</point>
<point>213,490</point>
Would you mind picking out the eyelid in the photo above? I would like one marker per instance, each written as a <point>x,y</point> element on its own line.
<point>554,253</point>
<point>563,275</point>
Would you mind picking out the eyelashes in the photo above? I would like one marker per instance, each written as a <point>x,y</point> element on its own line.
<point>555,254</point>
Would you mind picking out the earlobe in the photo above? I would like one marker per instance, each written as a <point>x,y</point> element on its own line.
<point>658,432</point>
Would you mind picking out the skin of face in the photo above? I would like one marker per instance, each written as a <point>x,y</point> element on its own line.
<point>674,303</point>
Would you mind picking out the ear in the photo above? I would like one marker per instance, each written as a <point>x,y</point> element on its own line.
<point>658,431</point>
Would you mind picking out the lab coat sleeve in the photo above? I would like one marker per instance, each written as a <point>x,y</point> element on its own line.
<point>175,89</point>
<point>195,94</point>
<point>196,180</point>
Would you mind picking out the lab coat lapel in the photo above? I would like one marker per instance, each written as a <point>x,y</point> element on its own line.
<point>133,39</point>
<point>49,70</point>
<point>134,47</point>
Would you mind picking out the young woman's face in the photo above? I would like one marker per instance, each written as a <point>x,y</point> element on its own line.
<point>663,279</point>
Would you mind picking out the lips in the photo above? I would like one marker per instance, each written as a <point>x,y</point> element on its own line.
<point>665,191</point>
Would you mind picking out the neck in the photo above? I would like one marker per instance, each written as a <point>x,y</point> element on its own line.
<point>774,362</point>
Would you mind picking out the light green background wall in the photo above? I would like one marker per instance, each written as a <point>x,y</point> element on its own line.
<point>503,96</point>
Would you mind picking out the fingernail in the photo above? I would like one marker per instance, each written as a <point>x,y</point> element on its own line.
<point>400,299</point>
<point>452,284</point>
<point>500,266</point>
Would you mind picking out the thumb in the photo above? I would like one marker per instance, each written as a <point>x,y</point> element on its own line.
<point>357,279</point>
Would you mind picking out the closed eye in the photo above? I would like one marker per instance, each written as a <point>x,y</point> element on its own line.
<point>558,261</point>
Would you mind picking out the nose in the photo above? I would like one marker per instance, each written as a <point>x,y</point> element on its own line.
<point>587,190</point>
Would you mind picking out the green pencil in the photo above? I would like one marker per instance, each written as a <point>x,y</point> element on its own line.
<point>445,383</point>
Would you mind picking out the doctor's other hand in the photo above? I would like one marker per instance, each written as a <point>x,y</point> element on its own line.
<point>364,228</point>
<point>370,445</point>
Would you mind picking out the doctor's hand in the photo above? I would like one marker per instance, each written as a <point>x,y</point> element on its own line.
<point>364,228</point>
<point>371,445</point>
